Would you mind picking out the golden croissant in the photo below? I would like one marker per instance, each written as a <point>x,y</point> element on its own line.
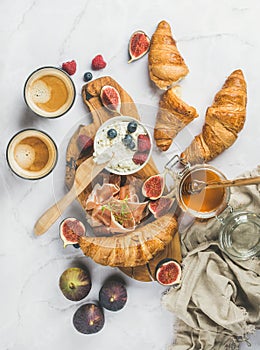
<point>224,120</point>
<point>173,115</point>
<point>166,66</point>
<point>131,249</point>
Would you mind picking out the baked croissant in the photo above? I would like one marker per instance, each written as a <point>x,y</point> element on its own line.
<point>166,66</point>
<point>173,115</point>
<point>224,120</point>
<point>131,249</point>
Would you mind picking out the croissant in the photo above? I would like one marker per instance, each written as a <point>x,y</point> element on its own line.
<point>224,120</point>
<point>173,115</point>
<point>166,66</point>
<point>131,249</point>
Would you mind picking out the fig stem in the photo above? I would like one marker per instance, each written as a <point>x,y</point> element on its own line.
<point>131,60</point>
<point>72,285</point>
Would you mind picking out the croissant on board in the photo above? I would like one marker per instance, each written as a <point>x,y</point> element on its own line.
<point>224,120</point>
<point>131,249</point>
<point>173,115</point>
<point>166,66</point>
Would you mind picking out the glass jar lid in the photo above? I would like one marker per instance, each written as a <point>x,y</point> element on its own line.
<point>240,235</point>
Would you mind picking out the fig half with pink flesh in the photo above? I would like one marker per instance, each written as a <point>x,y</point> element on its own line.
<point>168,272</point>
<point>153,187</point>
<point>161,206</point>
<point>139,45</point>
<point>70,231</point>
<point>110,98</point>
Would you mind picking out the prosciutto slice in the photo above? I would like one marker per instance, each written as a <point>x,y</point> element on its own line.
<point>116,209</point>
<point>101,195</point>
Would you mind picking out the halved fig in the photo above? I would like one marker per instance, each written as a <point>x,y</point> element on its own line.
<point>70,231</point>
<point>139,45</point>
<point>153,187</point>
<point>168,272</point>
<point>160,207</point>
<point>110,98</point>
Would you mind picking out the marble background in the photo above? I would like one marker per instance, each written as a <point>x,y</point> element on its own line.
<point>215,37</point>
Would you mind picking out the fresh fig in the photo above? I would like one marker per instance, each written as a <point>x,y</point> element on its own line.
<point>168,272</point>
<point>139,45</point>
<point>70,231</point>
<point>75,283</point>
<point>160,207</point>
<point>88,319</point>
<point>153,187</point>
<point>85,143</point>
<point>110,98</point>
<point>113,295</point>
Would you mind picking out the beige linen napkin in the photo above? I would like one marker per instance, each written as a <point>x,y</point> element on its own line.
<point>217,303</point>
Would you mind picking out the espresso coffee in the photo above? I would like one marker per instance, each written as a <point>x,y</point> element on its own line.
<point>49,92</point>
<point>31,154</point>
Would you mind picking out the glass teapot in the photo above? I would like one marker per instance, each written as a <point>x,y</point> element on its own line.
<point>239,234</point>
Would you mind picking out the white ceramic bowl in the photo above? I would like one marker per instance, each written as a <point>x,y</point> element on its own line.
<point>121,163</point>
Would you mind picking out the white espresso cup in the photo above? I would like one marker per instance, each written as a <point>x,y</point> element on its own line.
<point>49,92</point>
<point>31,154</point>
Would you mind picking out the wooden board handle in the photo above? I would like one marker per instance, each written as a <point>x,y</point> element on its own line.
<point>53,213</point>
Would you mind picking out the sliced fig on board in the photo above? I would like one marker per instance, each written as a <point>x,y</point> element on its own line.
<point>153,187</point>
<point>160,207</point>
<point>110,98</point>
<point>139,45</point>
<point>168,272</point>
<point>70,231</point>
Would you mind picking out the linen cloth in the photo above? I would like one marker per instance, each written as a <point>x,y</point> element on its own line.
<point>218,302</point>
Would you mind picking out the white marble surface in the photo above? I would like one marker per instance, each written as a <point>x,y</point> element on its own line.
<point>215,37</point>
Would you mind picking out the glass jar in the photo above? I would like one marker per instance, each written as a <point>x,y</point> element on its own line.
<point>239,234</point>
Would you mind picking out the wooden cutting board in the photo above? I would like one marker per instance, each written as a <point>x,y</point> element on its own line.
<point>90,95</point>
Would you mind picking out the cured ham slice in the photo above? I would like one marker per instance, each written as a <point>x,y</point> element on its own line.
<point>101,194</point>
<point>114,207</point>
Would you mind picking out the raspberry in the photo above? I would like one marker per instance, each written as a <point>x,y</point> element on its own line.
<point>139,158</point>
<point>98,63</point>
<point>69,67</point>
<point>84,142</point>
<point>143,143</point>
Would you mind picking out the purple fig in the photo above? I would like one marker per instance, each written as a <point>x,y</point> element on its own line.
<point>75,283</point>
<point>113,295</point>
<point>88,319</point>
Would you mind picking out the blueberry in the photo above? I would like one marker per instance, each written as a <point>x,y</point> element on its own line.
<point>131,145</point>
<point>76,245</point>
<point>88,76</point>
<point>111,133</point>
<point>127,139</point>
<point>131,127</point>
